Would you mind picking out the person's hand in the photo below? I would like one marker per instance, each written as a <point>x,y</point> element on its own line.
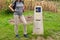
<point>23,10</point>
<point>13,10</point>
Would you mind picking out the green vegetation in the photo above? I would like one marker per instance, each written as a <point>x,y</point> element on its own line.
<point>51,25</point>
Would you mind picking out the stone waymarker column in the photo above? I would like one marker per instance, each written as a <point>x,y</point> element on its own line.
<point>38,20</point>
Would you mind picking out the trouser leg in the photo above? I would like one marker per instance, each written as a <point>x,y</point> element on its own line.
<point>16,24</point>
<point>24,23</point>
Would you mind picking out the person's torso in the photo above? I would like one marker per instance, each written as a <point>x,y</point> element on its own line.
<point>19,7</point>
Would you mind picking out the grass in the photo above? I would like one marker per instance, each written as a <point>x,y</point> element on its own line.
<point>51,22</point>
<point>51,25</point>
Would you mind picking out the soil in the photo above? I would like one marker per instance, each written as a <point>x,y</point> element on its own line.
<point>29,19</point>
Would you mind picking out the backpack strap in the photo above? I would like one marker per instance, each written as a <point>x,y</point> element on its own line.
<point>23,2</point>
<point>14,6</point>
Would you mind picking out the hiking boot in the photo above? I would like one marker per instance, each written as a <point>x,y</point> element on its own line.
<point>25,35</point>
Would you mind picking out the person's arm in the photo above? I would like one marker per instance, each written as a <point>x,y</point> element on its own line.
<point>10,6</point>
<point>24,8</point>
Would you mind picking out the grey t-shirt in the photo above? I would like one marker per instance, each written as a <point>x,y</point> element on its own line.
<point>18,8</point>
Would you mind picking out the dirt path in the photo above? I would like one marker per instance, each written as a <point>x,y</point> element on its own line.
<point>28,18</point>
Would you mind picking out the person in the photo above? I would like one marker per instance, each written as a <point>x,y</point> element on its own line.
<point>18,13</point>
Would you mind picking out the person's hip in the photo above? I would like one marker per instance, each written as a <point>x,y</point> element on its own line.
<point>18,13</point>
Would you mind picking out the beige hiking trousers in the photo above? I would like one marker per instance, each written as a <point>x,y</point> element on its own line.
<point>16,21</point>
